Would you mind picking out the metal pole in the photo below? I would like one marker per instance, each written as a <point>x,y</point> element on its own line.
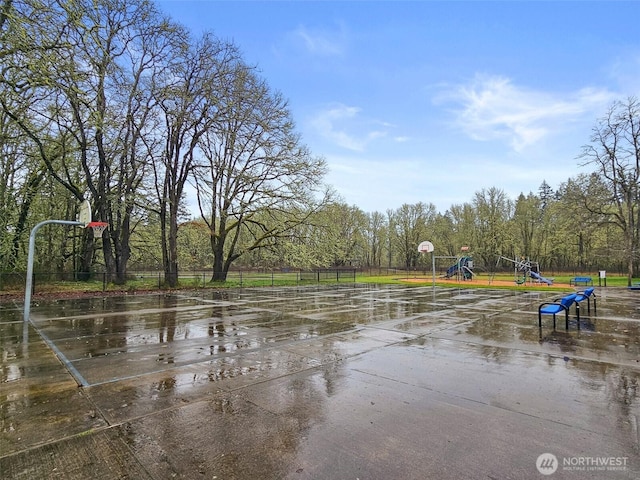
<point>433,265</point>
<point>32,248</point>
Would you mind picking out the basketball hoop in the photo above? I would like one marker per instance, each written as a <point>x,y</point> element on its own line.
<point>425,247</point>
<point>98,228</point>
<point>84,213</point>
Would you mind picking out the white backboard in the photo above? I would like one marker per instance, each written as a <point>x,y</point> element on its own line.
<point>84,214</point>
<point>425,247</point>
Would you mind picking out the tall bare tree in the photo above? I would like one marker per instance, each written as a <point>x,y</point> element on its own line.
<point>191,104</point>
<point>376,232</point>
<point>493,210</point>
<point>259,181</point>
<point>411,224</point>
<point>85,79</point>
<point>119,48</point>
<point>527,218</point>
<point>615,193</point>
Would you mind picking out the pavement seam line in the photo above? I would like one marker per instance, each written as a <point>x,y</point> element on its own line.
<point>61,356</point>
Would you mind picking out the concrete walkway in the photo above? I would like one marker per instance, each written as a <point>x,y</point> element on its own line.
<point>341,382</point>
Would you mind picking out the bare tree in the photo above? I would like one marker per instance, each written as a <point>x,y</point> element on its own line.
<point>375,233</point>
<point>119,47</point>
<point>86,82</point>
<point>493,210</point>
<point>527,218</point>
<point>258,182</point>
<point>410,224</point>
<point>615,152</point>
<point>191,104</point>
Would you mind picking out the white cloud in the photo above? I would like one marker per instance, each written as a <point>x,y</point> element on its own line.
<point>626,73</point>
<point>337,124</point>
<point>494,108</point>
<point>378,185</point>
<point>321,42</point>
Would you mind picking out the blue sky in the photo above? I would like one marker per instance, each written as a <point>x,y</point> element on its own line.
<point>425,101</point>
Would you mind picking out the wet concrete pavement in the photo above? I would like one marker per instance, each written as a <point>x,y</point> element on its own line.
<point>342,382</point>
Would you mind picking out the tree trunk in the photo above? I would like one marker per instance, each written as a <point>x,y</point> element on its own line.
<point>219,268</point>
<point>85,259</point>
<point>122,250</point>
<point>630,251</point>
<point>169,227</point>
<point>32,188</point>
<point>172,271</point>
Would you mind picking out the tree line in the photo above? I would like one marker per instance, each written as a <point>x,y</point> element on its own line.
<point>111,101</point>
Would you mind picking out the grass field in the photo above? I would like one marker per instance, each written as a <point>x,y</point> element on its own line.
<point>560,282</point>
<point>153,281</point>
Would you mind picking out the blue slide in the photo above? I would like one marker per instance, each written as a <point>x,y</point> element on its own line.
<point>537,276</point>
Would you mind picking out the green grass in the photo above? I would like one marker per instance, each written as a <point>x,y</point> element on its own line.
<point>235,280</point>
<point>563,279</point>
<point>428,281</point>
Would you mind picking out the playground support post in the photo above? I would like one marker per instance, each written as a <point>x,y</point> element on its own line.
<point>32,247</point>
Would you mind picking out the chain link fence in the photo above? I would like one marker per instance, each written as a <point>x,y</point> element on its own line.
<point>146,279</point>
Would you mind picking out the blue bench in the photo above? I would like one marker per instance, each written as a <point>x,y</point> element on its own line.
<point>581,281</point>
<point>587,295</point>
<point>553,308</point>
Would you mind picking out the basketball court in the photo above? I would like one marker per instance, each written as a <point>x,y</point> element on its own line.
<point>320,382</point>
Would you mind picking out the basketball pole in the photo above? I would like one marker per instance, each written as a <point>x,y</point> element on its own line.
<point>32,248</point>
<point>427,247</point>
<point>433,268</point>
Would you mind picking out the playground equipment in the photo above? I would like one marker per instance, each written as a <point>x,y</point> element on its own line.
<point>463,268</point>
<point>524,268</point>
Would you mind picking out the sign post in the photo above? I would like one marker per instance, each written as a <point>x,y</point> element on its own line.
<point>602,275</point>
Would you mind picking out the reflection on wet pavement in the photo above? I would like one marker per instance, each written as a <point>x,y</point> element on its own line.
<point>272,383</point>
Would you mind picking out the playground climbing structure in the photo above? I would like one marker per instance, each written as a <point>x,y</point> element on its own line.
<point>525,269</point>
